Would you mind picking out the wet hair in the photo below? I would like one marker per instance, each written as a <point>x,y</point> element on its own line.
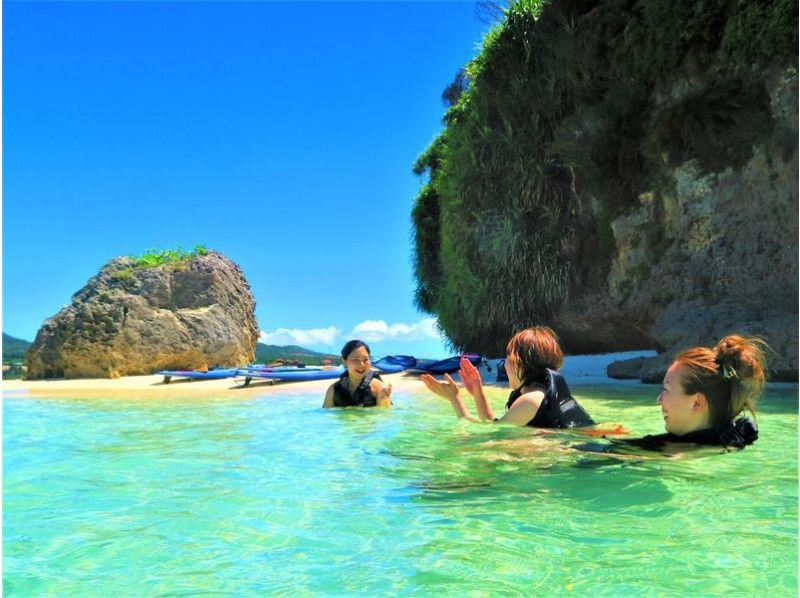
<point>537,350</point>
<point>351,346</point>
<point>731,375</point>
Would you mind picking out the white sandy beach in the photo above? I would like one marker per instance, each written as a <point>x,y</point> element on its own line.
<point>577,369</point>
<point>153,386</point>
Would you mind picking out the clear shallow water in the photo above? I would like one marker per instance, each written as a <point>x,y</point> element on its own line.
<point>245,496</point>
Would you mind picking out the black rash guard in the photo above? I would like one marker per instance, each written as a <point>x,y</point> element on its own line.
<point>558,409</point>
<point>361,397</point>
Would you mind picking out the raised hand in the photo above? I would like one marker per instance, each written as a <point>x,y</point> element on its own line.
<point>471,377</point>
<point>447,390</point>
<point>385,394</point>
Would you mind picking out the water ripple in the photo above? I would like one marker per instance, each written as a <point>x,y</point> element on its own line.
<point>275,495</point>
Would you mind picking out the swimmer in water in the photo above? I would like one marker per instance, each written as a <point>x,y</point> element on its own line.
<point>705,391</point>
<point>359,386</point>
<point>541,397</point>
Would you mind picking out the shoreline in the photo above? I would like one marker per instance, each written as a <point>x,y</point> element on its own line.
<point>153,386</point>
<point>577,370</point>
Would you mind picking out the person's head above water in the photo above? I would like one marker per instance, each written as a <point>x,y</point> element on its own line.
<point>530,353</point>
<point>353,345</point>
<point>356,358</point>
<point>708,387</point>
<point>357,386</point>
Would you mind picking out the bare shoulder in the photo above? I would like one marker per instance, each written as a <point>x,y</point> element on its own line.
<point>329,394</point>
<point>533,398</point>
<point>525,408</point>
<point>328,402</point>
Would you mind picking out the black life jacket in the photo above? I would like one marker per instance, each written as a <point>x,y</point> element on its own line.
<point>361,397</point>
<point>558,409</point>
<point>737,434</point>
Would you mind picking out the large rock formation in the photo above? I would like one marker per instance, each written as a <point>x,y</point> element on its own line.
<point>625,172</point>
<point>130,320</point>
<point>716,255</point>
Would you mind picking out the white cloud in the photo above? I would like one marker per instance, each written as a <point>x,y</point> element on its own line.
<point>297,336</point>
<point>379,330</point>
<point>368,330</point>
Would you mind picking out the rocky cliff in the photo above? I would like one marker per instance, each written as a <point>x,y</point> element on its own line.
<point>195,313</point>
<point>624,171</point>
<point>710,253</point>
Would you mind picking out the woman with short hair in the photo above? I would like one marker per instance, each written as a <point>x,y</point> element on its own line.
<point>541,397</point>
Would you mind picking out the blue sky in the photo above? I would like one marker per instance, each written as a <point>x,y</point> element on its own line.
<point>281,134</point>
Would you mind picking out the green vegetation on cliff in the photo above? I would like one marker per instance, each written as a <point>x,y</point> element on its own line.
<point>574,109</point>
<point>153,258</point>
<point>174,258</point>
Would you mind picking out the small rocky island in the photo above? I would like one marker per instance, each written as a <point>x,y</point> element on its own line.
<point>165,310</point>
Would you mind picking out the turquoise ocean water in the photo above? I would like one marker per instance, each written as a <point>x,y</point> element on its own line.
<point>252,495</point>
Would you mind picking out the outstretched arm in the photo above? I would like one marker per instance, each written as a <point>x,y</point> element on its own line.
<point>448,391</point>
<point>471,378</point>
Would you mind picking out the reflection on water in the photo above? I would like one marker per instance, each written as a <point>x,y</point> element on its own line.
<point>275,494</point>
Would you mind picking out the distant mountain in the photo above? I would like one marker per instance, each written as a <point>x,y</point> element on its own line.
<point>14,349</point>
<point>269,353</point>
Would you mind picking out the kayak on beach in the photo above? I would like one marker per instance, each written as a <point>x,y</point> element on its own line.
<point>297,375</point>
<point>197,374</point>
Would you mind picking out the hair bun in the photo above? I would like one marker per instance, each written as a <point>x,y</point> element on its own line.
<point>732,375</point>
<point>740,357</point>
<point>728,354</point>
<point>729,347</point>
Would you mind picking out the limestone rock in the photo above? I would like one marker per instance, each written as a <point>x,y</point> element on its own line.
<point>711,253</point>
<point>650,370</point>
<point>129,321</point>
<point>625,173</point>
<point>626,369</point>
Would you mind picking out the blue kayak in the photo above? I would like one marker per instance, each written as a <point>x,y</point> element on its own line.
<point>391,364</point>
<point>502,375</point>
<point>289,376</point>
<point>445,366</point>
<point>197,375</point>
<point>283,368</point>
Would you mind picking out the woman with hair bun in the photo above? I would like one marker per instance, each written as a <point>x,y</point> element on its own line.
<point>704,391</point>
